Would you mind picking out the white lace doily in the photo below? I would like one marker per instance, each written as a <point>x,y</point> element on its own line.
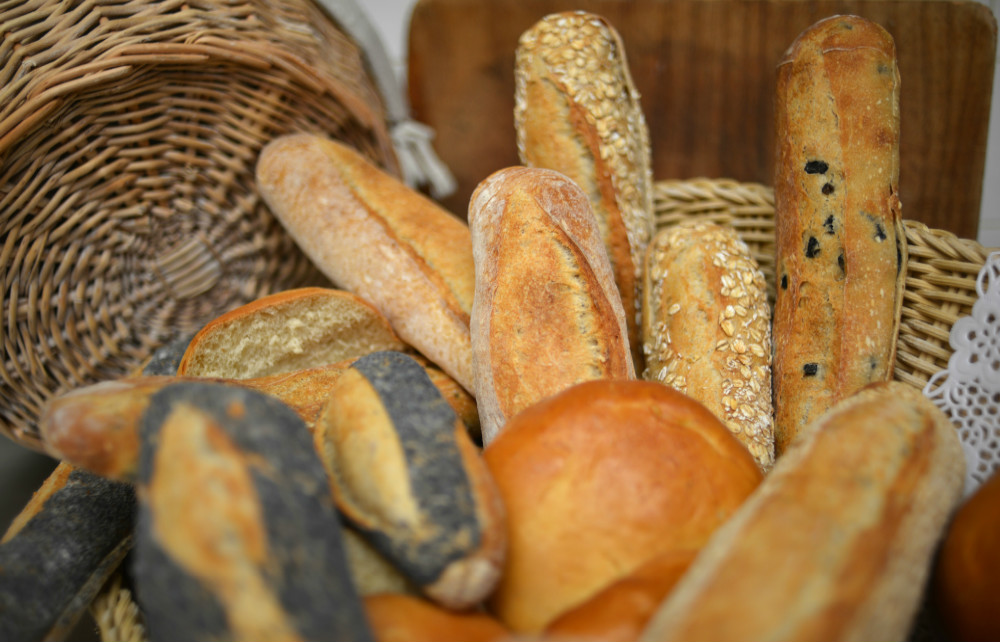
<point>969,390</point>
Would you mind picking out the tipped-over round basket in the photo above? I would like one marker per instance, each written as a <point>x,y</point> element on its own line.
<point>129,131</point>
<point>940,289</point>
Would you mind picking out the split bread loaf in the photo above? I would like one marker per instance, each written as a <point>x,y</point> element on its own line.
<point>577,111</point>
<point>600,479</point>
<point>371,234</point>
<point>840,242</point>
<point>406,475</point>
<point>547,314</point>
<point>836,543</point>
<point>288,331</point>
<point>706,328</point>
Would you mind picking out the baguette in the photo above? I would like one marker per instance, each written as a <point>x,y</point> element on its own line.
<point>707,328</point>
<point>404,473</point>
<point>237,535</point>
<point>372,235</point>
<point>837,541</point>
<point>547,314</point>
<point>577,111</point>
<point>840,243</point>
<point>60,551</point>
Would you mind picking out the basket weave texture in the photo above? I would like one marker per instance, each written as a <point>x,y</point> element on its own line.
<point>940,275</point>
<point>129,131</point>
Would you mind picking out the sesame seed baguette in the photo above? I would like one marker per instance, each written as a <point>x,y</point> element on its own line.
<point>840,243</point>
<point>547,314</point>
<point>577,111</point>
<point>707,328</point>
<point>371,234</point>
<point>837,541</point>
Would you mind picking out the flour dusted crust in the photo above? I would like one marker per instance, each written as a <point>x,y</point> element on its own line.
<point>547,314</point>
<point>707,328</point>
<point>577,111</point>
<point>837,541</point>
<point>372,235</point>
<point>840,244</point>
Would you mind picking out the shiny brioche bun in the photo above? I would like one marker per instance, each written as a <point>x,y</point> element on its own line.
<point>397,617</point>
<point>966,580</point>
<point>598,480</point>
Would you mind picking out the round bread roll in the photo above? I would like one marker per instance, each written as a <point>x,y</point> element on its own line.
<point>598,480</point>
<point>396,617</point>
<point>966,584</point>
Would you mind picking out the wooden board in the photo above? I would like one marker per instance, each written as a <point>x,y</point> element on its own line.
<point>706,72</point>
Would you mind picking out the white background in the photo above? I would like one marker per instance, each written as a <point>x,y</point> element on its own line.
<point>391,17</point>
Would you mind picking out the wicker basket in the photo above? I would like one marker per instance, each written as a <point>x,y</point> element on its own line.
<point>128,136</point>
<point>940,289</point>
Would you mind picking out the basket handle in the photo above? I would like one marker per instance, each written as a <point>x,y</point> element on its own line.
<point>412,140</point>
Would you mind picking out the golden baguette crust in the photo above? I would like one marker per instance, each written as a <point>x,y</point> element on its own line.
<point>547,314</point>
<point>372,235</point>
<point>577,111</point>
<point>841,250</point>
<point>707,328</point>
<point>837,541</point>
<point>405,473</point>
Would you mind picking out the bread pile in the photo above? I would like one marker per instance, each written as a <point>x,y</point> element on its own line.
<point>551,421</point>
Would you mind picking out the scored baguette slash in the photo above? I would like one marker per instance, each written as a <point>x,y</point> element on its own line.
<point>237,536</point>
<point>840,242</point>
<point>577,111</point>
<point>547,314</point>
<point>59,552</point>
<point>837,542</point>
<point>372,235</point>
<point>407,476</point>
<point>707,328</point>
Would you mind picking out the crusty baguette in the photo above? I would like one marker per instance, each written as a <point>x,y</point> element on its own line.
<point>840,244</point>
<point>837,541</point>
<point>577,111</point>
<point>372,235</point>
<point>288,331</point>
<point>60,550</point>
<point>547,314</point>
<point>405,474</point>
<point>237,536</point>
<point>707,328</point>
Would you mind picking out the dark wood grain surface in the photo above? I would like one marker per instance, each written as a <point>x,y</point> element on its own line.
<point>706,72</point>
